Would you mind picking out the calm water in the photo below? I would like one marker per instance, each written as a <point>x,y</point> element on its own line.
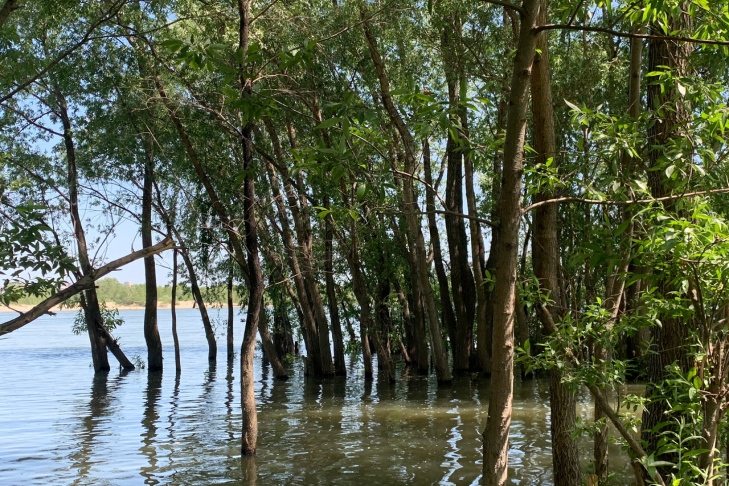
<point>60,425</point>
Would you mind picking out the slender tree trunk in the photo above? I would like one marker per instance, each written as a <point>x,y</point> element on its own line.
<point>446,307</point>
<point>94,321</point>
<point>255,275</point>
<point>173,311</point>
<point>462,280</point>
<point>199,300</point>
<point>546,260</point>
<point>151,331</point>
<point>411,210</point>
<point>340,367</point>
<point>231,317</point>
<point>496,435</point>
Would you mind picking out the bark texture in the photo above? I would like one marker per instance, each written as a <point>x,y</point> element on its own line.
<point>501,395</point>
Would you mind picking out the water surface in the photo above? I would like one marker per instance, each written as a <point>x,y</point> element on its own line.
<point>61,425</point>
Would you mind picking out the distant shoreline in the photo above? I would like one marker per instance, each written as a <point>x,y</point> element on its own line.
<point>181,304</point>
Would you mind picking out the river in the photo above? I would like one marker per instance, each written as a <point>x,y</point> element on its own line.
<point>61,425</point>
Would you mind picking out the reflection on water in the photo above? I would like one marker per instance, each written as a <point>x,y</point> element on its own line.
<point>59,424</point>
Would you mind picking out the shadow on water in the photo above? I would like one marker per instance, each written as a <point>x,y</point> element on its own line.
<point>150,421</point>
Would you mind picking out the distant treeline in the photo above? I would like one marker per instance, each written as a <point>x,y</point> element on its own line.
<point>112,290</point>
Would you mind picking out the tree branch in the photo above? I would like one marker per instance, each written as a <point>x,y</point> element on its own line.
<point>64,54</point>
<point>608,202</point>
<point>507,5</point>
<point>630,35</point>
<point>80,285</point>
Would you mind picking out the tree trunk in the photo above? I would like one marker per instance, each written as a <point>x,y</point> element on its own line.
<point>231,317</point>
<point>94,321</point>
<point>462,280</point>
<point>446,307</point>
<point>199,300</point>
<point>496,435</point>
<point>173,311</point>
<point>340,368</point>
<point>669,343</point>
<point>255,275</point>
<point>411,210</point>
<point>269,349</point>
<point>151,331</point>
<point>546,261</point>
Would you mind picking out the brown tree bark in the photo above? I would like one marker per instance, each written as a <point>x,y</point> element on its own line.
<point>173,311</point>
<point>546,261</point>
<point>501,395</point>
<point>255,275</point>
<point>670,341</point>
<point>340,368</point>
<point>411,211</point>
<point>462,281</point>
<point>151,331</point>
<point>94,321</point>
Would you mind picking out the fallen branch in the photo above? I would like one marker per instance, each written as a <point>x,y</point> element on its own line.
<point>82,284</point>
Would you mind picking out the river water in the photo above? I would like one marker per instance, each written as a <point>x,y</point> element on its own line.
<point>61,425</point>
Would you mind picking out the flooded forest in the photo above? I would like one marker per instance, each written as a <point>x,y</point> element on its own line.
<point>414,233</point>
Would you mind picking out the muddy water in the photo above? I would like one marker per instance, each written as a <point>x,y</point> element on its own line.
<point>61,425</point>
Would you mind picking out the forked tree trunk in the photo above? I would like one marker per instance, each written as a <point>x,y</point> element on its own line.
<point>498,423</point>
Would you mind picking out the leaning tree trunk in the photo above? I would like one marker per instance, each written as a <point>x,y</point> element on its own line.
<point>94,321</point>
<point>496,435</point>
<point>199,300</point>
<point>411,210</point>
<point>545,258</point>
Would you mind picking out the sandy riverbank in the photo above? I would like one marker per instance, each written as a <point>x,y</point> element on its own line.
<point>182,304</point>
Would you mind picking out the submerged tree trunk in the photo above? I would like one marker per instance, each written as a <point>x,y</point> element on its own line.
<point>546,261</point>
<point>151,332</point>
<point>231,316</point>
<point>173,311</point>
<point>446,307</point>
<point>496,435</point>
<point>340,368</point>
<point>462,280</point>
<point>199,300</point>
<point>94,320</point>
<point>411,210</point>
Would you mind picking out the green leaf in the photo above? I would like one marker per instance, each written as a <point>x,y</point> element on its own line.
<point>328,123</point>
